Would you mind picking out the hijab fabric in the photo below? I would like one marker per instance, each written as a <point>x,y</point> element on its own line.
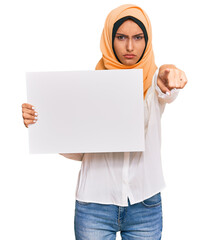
<point>110,61</point>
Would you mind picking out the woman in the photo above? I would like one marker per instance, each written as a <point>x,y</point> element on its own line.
<point>122,191</point>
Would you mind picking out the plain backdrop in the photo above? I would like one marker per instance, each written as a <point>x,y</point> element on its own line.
<point>37,192</point>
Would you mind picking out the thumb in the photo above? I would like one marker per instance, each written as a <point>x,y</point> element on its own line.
<point>163,88</point>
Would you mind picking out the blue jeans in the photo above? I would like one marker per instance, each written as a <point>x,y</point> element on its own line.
<point>142,221</point>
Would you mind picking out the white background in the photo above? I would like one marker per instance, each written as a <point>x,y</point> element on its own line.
<point>37,192</point>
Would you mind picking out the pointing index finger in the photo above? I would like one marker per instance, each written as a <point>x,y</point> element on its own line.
<point>164,74</point>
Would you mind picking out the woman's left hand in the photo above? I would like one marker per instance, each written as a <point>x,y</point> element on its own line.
<point>170,77</point>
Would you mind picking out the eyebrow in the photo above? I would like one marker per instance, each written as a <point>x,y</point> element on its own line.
<point>127,35</point>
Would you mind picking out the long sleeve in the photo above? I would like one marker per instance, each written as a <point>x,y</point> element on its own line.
<point>73,156</point>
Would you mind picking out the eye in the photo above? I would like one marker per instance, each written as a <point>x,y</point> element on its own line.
<point>139,37</point>
<point>120,37</point>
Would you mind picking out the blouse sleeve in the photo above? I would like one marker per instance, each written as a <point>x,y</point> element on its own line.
<point>73,156</point>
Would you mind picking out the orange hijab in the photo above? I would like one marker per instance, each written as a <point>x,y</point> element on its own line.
<point>109,61</point>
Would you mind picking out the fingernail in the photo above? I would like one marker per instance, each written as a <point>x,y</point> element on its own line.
<point>33,107</point>
<point>34,120</point>
<point>36,113</point>
<point>35,117</point>
<point>168,93</point>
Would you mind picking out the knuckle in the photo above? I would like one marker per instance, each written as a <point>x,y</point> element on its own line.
<point>184,84</point>
<point>171,85</point>
<point>31,112</point>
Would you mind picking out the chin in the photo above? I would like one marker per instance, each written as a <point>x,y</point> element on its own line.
<point>129,63</point>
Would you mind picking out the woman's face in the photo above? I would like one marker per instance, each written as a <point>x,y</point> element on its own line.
<point>129,42</point>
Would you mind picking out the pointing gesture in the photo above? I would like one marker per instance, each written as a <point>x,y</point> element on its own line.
<point>170,77</point>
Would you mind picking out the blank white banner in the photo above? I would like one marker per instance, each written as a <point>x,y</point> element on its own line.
<point>86,111</point>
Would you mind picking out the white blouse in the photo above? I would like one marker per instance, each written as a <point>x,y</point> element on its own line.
<point>113,177</point>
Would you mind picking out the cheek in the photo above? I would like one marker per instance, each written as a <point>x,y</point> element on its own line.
<point>119,47</point>
<point>141,47</point>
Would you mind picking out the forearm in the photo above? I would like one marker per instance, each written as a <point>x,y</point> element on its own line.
<point>73,156</point>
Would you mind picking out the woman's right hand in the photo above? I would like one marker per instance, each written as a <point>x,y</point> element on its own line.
<point>29,115</point>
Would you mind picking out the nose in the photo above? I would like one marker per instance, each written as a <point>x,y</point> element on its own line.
<point>129,46</point>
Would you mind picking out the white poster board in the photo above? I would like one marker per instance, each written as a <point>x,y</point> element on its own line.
<point>86,111</point>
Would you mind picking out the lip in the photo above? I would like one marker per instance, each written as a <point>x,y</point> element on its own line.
<point>129,56</point>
